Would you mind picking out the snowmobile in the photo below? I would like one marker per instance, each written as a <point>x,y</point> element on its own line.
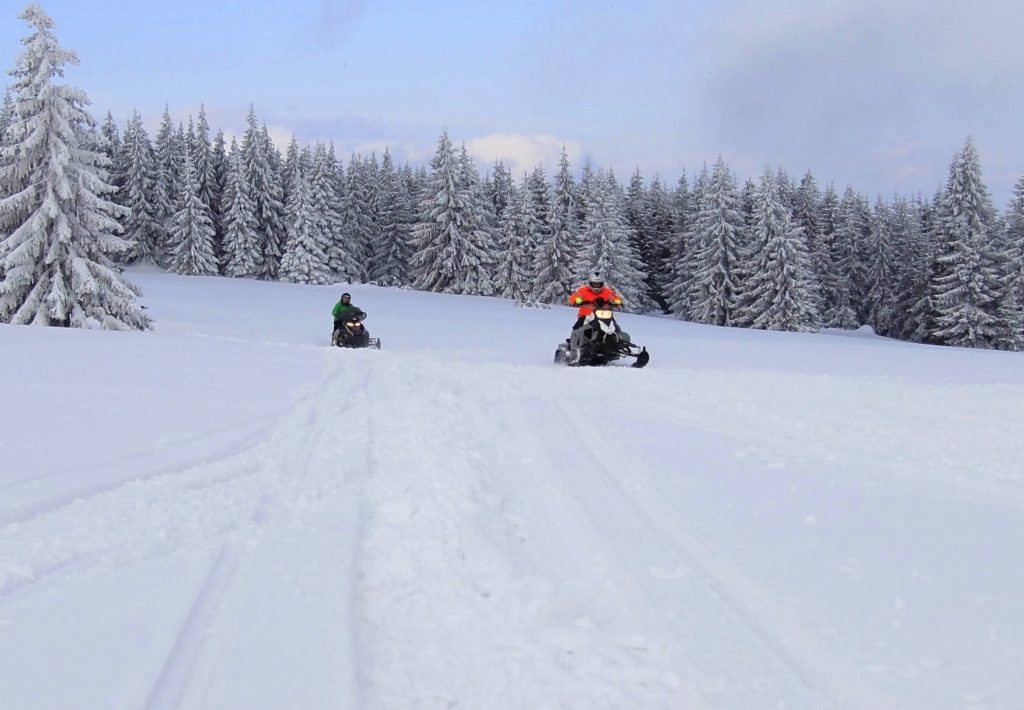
<point>351,333</point>
<point>599,341</point>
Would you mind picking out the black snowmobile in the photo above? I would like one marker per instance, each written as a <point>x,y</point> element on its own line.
<point>351,333</point>
<point>599,341</point>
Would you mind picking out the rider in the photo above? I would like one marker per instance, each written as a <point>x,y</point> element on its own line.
<point>586,297</point>
<point>344,309</point>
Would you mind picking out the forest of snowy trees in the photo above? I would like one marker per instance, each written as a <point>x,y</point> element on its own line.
<point>772,253</point>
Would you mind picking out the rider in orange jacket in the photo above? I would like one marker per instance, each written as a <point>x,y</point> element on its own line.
<point>587,295</point>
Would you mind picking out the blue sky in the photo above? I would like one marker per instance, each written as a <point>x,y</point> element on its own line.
<point>876,94</point>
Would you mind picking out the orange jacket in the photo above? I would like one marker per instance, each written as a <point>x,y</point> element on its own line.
<point>584,297</point>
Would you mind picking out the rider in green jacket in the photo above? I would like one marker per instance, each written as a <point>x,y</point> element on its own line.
<point>344,309</point>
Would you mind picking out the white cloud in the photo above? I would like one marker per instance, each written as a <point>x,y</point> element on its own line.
<point>523,152</point>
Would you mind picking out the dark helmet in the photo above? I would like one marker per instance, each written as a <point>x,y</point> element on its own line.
<point>346,298</point>
<point>596,281</point>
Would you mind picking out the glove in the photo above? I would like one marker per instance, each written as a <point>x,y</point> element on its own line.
<point>578,301</point>
<point>617,301</point>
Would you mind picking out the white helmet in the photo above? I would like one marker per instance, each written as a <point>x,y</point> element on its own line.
<point>596,281</point>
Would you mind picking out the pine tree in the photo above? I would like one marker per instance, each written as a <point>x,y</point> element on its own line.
<point>1010,299</point>
<point>304,260</point>
<point>59,229</point>
<point>111,145</point>
<point>963,286</point>
<point>192,230</point>
<point>395,214</point>
<point>499,189</point>
<point>219,169</point>
<point>241,247</point>
<point>481,223</point>
<point>844,282</point>
<point>6,114</point>
<point>202,157</point>
<point>779,295</point>
<point>141,228</point>
<point>328,192</point>
<point>514,268</point>
<point>807,214</point>
<point>265,184</point>
<point>881,298</point>
<point>557,257</point>
<point>166,192</point>
<point>716,254</point>
<point>611,253</point>
<point>911,256</point>
<point>660,226</point>
<point>449,256</point>
<point>823,257</point>
<point>1015,241</point>
<point>680,290</point>
<point>357,215</point>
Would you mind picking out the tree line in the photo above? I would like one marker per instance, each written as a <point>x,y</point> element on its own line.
<point>77,198</point>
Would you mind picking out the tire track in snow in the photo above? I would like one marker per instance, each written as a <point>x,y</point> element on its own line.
<point>451,615</point>
<point>172,682</point>
<point>290,465</point>
<point>777,631</point>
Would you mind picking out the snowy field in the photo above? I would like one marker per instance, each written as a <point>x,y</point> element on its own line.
<point>225,513</point>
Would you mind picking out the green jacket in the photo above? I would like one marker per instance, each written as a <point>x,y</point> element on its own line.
<point>341,310</point>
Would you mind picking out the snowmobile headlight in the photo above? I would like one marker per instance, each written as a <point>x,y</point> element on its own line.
<point>603,314</point>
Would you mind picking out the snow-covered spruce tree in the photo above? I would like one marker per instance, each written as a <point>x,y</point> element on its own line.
<point>499,189</point>
<point>779,295</point>
<point>288,168</point>
<point>166,192</point>
<point>58,227</point>
<point>357,214</point>
<point>266,194</point>
<point>137,165</point>
<point>1015,240</point>
<point>481,223</point>
<point>933,216</point>
<point>637,211</point>
<point>607,236</point>
<point>911,255</point>
<point>716,254</point>
<point>304,260</point>
<point>328,183</point>
<point>6,114</point>
<point>882,275</point>
<point>192,230</point>
<point>964,285</point>
<point>202,158</point>
<point>556,258</point>
<point>513,270</point>
<point>807,212</point>
<point>111,146</point>
<point>844,282</point>
<point>661,228</point>
<point>679,290</point>
<point>394,251</point>
<point>448,254</point>
<point>828,219</point>
<point>1010,303</point>
<point>219,164</point>
<point>537,213</point>
<point>241,246</point>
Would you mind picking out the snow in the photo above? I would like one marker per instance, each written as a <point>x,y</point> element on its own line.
<point>225,513</point>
